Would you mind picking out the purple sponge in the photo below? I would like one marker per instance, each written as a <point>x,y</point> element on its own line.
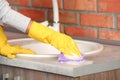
<point>62,58</point>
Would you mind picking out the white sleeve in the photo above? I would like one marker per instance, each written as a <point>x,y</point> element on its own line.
<point>12,17</point>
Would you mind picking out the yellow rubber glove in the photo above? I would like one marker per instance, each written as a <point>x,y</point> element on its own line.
<point>59,40</point>
<point>10,51</point>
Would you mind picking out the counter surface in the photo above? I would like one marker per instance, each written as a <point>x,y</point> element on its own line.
<point>108,59</point>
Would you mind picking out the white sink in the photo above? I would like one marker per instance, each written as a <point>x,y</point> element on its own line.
<point>47,51</point>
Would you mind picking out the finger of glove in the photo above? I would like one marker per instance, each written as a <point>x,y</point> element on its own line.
<point>7,53</point>
<point>20,50</point>
<point>10,55</point>
<point>67,50</point>
<point>16,50</point>
<point>26,51</point>
<point>76,49</point>
<point>66,45</point>
<point>72,49</point>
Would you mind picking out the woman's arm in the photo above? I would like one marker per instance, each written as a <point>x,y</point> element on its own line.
<point>12,17</point>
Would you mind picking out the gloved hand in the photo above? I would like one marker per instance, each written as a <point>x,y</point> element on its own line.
<point>59,40</point>
<point>10,51</point>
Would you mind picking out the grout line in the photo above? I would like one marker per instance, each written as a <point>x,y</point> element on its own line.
<point>97,6</point>
<point>115,22</point>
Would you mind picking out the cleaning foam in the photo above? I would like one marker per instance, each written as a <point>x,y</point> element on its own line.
<point>74,60</point>
<point>62,58</point>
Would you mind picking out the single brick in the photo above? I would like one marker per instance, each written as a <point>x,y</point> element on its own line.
<point>83,32</point>
<point>109,6</point>
<point>97,20</point>
<point>38,15</point>
<point>109,35</point>
<point>65,17</point>
<point>80,4</point>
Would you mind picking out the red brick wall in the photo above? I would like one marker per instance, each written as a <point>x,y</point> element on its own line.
<point>85,18</point>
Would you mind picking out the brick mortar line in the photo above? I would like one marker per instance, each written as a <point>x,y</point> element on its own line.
<point>109,29</point>
<point>78,20</point>
<point>32,7</point>
<point>62,4</point>
<point>77,10</point>
<point>46,15</point>
<point>96,32</point>
<point>98,13</point>
<point>77,26</point>
<point>88,11</point>
<point>29,7</point>
<point>97,6</point>
<point>115,22</point>
<point>31,2</point>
